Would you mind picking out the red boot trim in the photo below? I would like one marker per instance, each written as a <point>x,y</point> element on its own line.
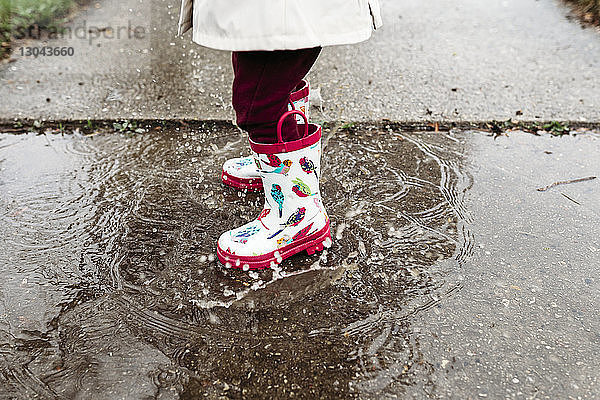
<point>314,135</point>
<point>301,91</point>
<point>249,184</point>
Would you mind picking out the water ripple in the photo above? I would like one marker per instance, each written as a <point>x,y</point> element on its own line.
<point>113,237</point>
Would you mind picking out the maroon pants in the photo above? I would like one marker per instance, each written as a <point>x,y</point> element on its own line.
<point>262,86</point>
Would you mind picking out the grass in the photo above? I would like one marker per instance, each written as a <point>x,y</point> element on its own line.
<point>21,14</point>
<point>588,10</point>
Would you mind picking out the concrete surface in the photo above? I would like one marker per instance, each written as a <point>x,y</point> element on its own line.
<point>463,60</point>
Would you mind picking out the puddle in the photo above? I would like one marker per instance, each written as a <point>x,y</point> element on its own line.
<point>110,288</point>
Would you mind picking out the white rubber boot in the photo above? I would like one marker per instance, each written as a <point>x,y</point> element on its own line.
<point>293,218</point>
<point>241,173</point>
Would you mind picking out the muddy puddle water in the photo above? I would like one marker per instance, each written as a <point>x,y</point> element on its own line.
<point>109,287</point>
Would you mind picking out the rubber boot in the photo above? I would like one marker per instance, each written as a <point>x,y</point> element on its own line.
<point>293,218</point>
<point>241,173</point>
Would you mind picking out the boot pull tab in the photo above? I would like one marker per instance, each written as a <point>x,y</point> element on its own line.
<point>284,116</point>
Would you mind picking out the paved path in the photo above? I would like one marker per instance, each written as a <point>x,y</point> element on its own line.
<point>454,60</point>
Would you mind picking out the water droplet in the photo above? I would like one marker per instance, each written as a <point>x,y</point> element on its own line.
<point>323,257</point>
<point>361,248</point>
<point>339,232</point>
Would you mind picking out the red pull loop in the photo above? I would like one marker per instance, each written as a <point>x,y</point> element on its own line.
<point>284,116</point>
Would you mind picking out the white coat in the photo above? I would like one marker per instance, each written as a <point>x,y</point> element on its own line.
<point>246,25</point>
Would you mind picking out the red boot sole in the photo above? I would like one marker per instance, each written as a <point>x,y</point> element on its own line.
<point>311,244</point>
<point>251,185</point>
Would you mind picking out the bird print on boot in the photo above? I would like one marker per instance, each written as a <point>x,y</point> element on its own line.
<point>243,235</point>
<point>303,232</point>
<point>242,163</point>
<point>301,188</point>
<point>282,169</point>
<point>284,241</point>
<point>293,220</point>
<point>274,161</point>
<point>278,197</point>
<point>308,166</point>
<point>262,215</point>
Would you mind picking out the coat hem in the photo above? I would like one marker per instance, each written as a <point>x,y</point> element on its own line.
<point>279,42</point>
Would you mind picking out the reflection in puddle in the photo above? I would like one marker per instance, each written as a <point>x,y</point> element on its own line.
<point>111,285</point>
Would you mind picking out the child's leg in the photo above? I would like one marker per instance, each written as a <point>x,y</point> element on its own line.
<point>261,90</point>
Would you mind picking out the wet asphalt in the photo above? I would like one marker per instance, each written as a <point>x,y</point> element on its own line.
<point>443,60</point>
<point>451,275</point>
